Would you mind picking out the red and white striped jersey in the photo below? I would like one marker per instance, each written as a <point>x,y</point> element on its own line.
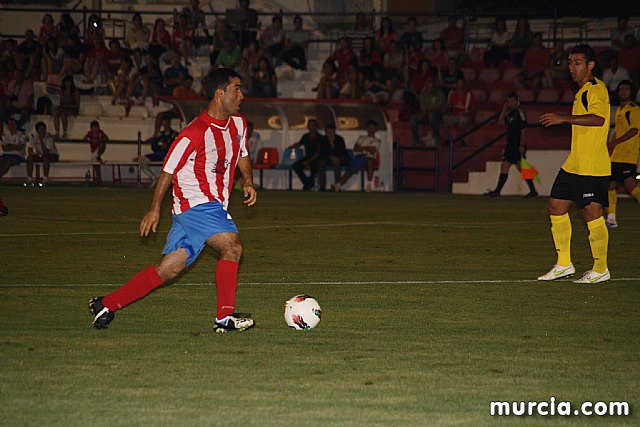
<point>203,159</point>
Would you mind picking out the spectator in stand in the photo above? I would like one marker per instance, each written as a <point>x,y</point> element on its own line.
<point>296,44</point>
<point>498,45</point>
<point>112,58</point>
<point>448,78</point>
<point>223,33</point>
<point>379,87</point>
<point>151,79</point>
<point>420,77</point>
<point>558,68</point>
<point>410,106</point>
<point>229,56</point>
<point>137,39</point>
<point>13,144</point>
<point>386,34</point>
<point>343,56</point>
<point>95,30</point>
<point>432,107</point>
<point>349,88</point>
<point>40,147</point>
<point>437,54</point>
<point>94,62</point>
<point>393,61</point>
<point>332,153</point>
<point>52,58</point>
<point>196,23</point>
<point>125,83</point>
<point>273,40</point>
<point>629,56</point>
<point>160,41</point>
<point>47,30</point>
<point>360,31</point>
<point>250,25</point>
<point>69,106</point>
<point>312,142</point>
<point>330,83</point>
<point>160,144</point>
<point>366,150</point>
<point>412,63</point>
<point>612,76</point>
<point>20,93</point>
<point>367,57</point>
<point>97,140</point>
<point>265,81</point>
<point>453,37</point>
<point>534,63</point>
<point>174,75</point>
<point>10,57</point>
<point>520,42</point>
<point>74,56</point>
<point>253,52</point>
<point>67,26</point>
<point>28,50</point>
<point>246,72</point>
<point>412,36</point>
<point>182,39</point>
<point>619,33</point>
<point>461,107</point>
<point>185,90</point>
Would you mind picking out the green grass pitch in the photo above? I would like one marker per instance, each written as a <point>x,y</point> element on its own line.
<point>430,311</point>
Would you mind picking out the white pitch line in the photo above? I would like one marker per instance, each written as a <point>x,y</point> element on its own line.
<point>399,282</point>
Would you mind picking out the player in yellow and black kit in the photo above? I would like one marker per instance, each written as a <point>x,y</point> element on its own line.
<point>584,176</point>
<point>625,145</point>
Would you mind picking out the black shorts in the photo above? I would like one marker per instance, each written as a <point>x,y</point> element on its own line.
<point>511,154</point>
<point>622,171</point>
<point>581,189</point>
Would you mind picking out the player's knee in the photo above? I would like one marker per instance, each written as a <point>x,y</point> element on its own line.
<point>232,251</point>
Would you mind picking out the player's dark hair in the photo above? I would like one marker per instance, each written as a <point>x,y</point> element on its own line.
<point>94,123</point>
<point>218,79</point>
<point>39,125</point>
<point>626,83</point>
<point>372,122</point>
<point>330,126</point>
<point>589,56</point>
<point>514,96</point>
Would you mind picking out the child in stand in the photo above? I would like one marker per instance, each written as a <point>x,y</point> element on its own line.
<point>97,140</point>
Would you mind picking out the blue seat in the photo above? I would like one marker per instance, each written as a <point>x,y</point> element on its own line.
<point>289,157</point>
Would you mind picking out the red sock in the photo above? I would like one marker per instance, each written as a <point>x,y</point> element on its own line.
<point>2,206</point>
<point>140,285</point>
<point>226,284</point>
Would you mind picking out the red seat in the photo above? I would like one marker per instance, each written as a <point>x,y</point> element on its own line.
<point>480,95</point>
<point>510,73</point>
<point>568,95</point>
<point>548,95</point>
<point>497,95</point>
<point>525,95</point>
<point>483,115</point>
<point>267,158</point>
<point>489,75</point>
<point>469,73</point>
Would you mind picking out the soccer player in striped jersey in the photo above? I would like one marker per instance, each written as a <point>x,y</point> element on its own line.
<point>624,147</point>
<point>200,165</point>
<point>584,176</point>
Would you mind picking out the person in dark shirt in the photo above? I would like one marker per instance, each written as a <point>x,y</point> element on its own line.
<point>515,120</point>
<point>311,141</point>
<point>160,144</point>
<point>332,152</point>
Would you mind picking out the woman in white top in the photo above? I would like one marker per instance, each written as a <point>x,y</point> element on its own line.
<point>499,45</point>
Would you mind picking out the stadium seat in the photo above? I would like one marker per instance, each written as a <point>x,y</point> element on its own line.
<point>483,115</point>
<point>469,73</point>
<point>547,95</point>
<point>267,158</point>
<point>289,157</point>
<point>510,73</point>
<point>568,95</point>
<point>525,95</point>
<point>497,96</point>
<point>92,109</point>
<point>480,95</point>
<point>489,75</point>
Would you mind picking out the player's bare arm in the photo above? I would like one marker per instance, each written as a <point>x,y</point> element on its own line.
<point>552,119</point>
<point>627,136</point>
<point>152,217</point>
<point>250,194</point>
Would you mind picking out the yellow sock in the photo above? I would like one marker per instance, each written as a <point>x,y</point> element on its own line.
<point>561,232</point>
<point>613,200</point>
<point>636,194</point>
<point>599,241</point>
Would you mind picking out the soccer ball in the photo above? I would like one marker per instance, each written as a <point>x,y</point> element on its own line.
<point>302,312</point>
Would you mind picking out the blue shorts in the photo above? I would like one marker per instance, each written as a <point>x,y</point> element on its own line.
<point>192,228</point>
<point>358,163</point>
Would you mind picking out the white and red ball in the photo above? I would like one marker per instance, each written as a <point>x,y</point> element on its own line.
<point>302,312</point>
